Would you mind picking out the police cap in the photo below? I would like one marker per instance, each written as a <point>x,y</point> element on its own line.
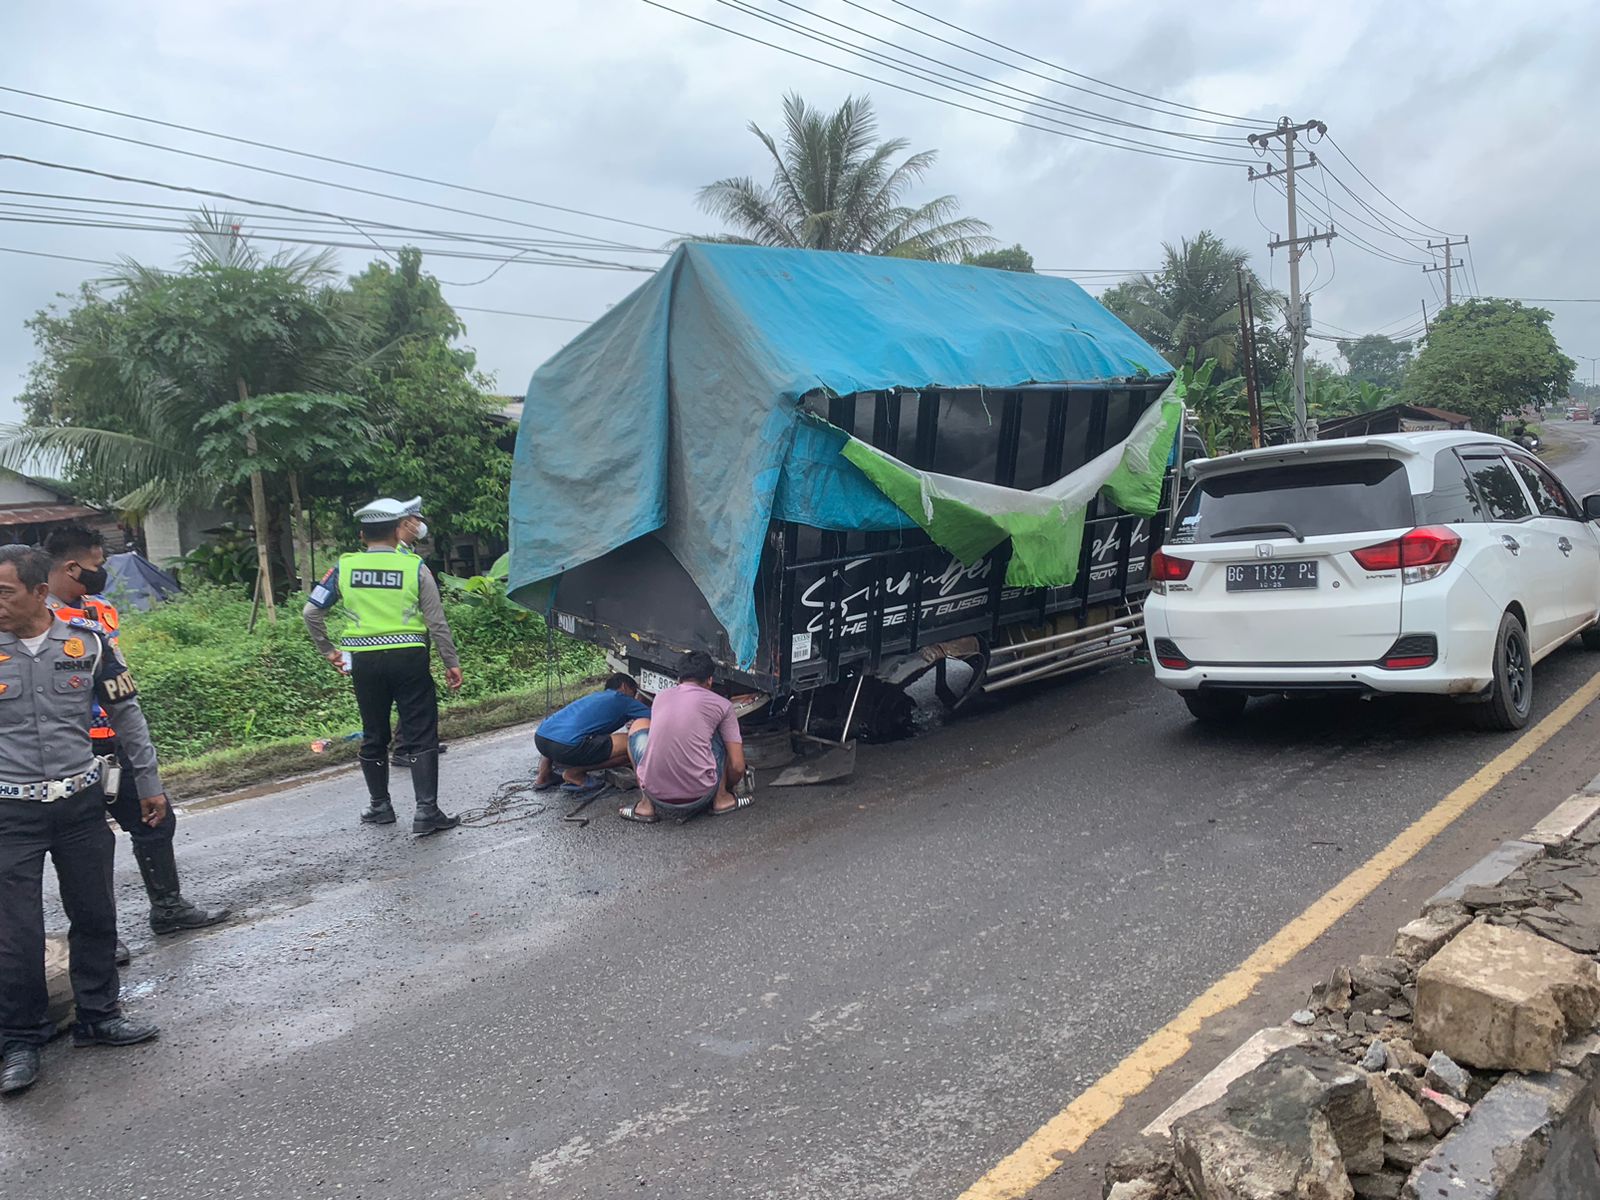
<point>385,509</point>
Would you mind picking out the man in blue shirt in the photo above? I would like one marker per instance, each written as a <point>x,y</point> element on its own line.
<point>590,734</point>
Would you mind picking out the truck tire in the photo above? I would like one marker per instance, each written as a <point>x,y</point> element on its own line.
<point>1510,701</point>
<point>1215,708</point>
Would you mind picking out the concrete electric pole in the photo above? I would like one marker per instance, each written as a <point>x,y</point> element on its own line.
<point>1448,268</point>
<point>1288,131</point>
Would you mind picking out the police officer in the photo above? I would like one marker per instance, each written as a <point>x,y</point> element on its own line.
<point>51,801</point>
<point>392,602</point>
<point>77,576</point>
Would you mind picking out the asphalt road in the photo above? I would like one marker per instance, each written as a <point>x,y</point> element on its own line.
<point>870,990</point>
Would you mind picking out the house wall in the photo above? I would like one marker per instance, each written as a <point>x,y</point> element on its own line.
<point>171,533</point>
<point>14,489</point>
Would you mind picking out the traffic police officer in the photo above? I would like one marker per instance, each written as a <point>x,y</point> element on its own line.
<point>392,602</point>
<point>77,576</point>
<point>51,801</point>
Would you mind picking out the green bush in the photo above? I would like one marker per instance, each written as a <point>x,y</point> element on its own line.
<point>207,684</point>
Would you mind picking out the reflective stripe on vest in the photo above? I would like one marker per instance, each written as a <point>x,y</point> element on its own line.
<point>380,593</point>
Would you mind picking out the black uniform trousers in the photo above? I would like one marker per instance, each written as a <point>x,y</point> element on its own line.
<point>124,806</point>
<point>395,679</point>
<point>75,835</point>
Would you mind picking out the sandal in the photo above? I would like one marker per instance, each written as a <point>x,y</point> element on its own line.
<point>738,803</point>
<point>593,786</point>
<point>630,812</point>
<point>549,786</point>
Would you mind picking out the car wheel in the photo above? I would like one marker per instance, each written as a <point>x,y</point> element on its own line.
<point>1591,638</point>
<point>1215,708</point>
<point>1510,700</point>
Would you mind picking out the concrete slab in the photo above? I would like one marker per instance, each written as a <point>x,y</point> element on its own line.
<point>1488,871</point>
<point>1565,821</point>
<point>1251,1054</point>
<point>1592,788</point>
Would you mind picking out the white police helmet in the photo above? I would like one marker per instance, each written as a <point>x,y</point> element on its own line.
<point>385,509</point>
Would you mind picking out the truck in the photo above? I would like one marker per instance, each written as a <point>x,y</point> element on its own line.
<point>847,474</point>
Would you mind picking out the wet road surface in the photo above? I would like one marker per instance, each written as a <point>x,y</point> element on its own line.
<point>869,990</point>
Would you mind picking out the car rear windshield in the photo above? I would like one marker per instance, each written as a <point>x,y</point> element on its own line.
<point>1308,499</point>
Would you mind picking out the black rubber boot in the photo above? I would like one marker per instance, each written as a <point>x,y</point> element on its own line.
<point>169,911</point>
<point>113,1031</point>
<point>425,783</point>
<point>19,1068</point>
<point>379,811</point>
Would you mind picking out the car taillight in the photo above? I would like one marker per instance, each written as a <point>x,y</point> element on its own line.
<point>1411,652</point>
<point>1166,569</point>
<point>1420,555</point>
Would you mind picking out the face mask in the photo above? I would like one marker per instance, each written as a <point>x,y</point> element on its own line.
<point>93,581</point>
<point>422,532</point>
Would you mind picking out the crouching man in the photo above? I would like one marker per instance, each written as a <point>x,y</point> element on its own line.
<point>689,754</point>
<point>590,734</point>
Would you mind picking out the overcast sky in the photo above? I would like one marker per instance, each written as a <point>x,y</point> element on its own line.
<point>1476,117</point>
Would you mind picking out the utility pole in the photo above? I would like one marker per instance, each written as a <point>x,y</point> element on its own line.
<point>1247,342</point>
<point>1448,268</point>
<point>1298,310</point>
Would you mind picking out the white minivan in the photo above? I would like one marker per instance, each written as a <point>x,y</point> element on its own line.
<point>1446,563</point>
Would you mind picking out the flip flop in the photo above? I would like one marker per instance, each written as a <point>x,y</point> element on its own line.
<point>738,803</point>
<point>630,812</point>
<point>548,787</point>
<point>595,785</point>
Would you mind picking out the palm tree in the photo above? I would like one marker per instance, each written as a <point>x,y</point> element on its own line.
<point>1191,305</point>
<point>835,187</point>
<point>168,353</point>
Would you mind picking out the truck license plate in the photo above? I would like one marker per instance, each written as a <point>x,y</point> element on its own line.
<point>654,682</point>
<point>1271,577</point>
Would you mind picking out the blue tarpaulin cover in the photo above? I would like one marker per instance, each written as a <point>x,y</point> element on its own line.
<point>678,412</point>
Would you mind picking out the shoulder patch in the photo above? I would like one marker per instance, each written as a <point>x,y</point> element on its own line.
<point>84,623</point>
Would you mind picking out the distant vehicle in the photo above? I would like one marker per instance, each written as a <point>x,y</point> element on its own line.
<point>1446,563</point>
<point>1596,417</point>
<point>1578,412</point>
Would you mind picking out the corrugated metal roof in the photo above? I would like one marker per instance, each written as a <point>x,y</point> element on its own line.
<point>43,514</point>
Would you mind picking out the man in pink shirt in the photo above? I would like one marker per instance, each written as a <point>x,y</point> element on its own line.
<point>688,753</point>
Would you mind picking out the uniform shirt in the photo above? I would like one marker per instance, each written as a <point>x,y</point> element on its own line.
<point>98,614</point>
<point>326,594</point>
<point>679,763</point>
<point>599,712</point>
<point>47,703</point>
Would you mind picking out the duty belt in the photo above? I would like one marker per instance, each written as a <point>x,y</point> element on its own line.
<point>380,640</point>
<point>50,790</point>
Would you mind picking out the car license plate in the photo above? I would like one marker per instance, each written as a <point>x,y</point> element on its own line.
<point>654,682</point>
<point>1271,576</point>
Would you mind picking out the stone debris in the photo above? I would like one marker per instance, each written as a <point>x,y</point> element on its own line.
<point>1134,1189</point>
<point>1504,999</point>
<point>1399,1116</point>
<point>1408,1156</point>
<point>1386,1185</point>
<point>1297,1126</point>
<point>1336,997</point>
<point>1376,1058</point>
<point>1443,1074</point>
<point>1444,1112</point>
<point>1304,1017</point>
<point>1422,938</point>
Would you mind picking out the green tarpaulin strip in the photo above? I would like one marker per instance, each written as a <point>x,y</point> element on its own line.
<point>1045,525</point>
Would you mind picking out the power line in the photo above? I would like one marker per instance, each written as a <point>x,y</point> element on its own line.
<point>933,77</point>
<point>355,166</point>
<point>600,243</point>
<point>749,37</point>
<point>1035,97</point>
<point>504,312</point>
<point>1346,234</point>
<point>1381,192</point>
<point>93,262</point>
<point>1243,122</point>
<point>219,195</point>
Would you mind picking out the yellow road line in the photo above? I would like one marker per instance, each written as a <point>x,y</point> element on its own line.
<point>1065,1133</point>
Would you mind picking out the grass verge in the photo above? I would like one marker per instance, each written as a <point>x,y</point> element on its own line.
<point>206,776</point>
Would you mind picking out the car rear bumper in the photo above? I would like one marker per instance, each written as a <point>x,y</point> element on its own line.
<point>1273,678</point>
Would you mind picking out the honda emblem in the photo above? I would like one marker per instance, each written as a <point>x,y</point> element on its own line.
<point>1264,550</point>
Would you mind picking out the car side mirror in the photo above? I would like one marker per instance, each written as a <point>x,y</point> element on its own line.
<point>1591,507</point>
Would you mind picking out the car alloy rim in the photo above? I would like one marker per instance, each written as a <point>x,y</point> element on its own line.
<point>1517,672</point>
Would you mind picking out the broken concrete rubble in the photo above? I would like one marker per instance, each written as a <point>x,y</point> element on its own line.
<point>1386,1185</point>
<point>1443,1074</point>
<point>1400,1117</point>
<point>1503,999</point>
<point>1444,1112</point>
<point>1298,1125</point>
<point>1422,938</point>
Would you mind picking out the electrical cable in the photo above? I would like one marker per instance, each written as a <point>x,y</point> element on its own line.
<point>332,160</point>
<point>1021,93</point>
<point>600,243</point>
<point>1152,152</point>
<point>1246,122</point>
<point>1381,192</point>
<point>214,194</point>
